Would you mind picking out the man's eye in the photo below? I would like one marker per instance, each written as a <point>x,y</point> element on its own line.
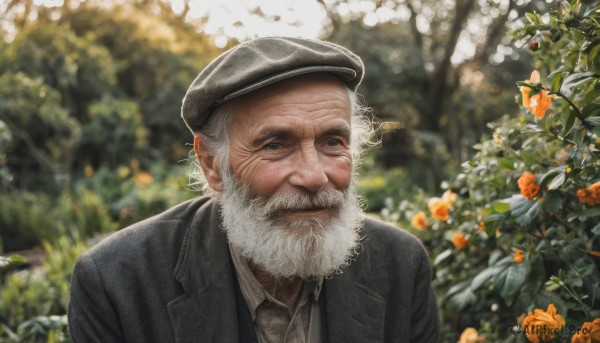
<point>273,146</point>
<point>334,142</point>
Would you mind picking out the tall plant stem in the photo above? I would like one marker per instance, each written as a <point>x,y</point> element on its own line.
<point>577,110</point>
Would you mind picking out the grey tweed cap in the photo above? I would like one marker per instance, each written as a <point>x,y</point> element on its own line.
<point>261,62</point>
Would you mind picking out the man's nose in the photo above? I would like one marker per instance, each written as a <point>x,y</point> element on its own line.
<point>308,169</point>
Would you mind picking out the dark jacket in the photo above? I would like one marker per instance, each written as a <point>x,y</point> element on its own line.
<point>169,278</point>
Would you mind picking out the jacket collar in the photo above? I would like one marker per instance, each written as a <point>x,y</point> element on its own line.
<point>208,311</point>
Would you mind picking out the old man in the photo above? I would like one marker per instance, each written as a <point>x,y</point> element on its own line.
<point>279,250</point>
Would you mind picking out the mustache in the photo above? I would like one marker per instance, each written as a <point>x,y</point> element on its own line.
<point>302,201</point>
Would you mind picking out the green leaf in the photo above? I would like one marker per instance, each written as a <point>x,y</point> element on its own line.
<point>532,17</point>
<point>12,260</point>
<point>507,163</point>
<point>552,201</point>
<point>557,181</point>
<point>501,207</point>
<point>529,158</point>
<point>580,134</point>
<point>550,286</point>
<point>551,173</point>
<point>592,212</point>
<point>594,120</point>
<point>574,80</point>
<point>569,123</point>
<point>524,211</point>
<point>442,256</point>
<point>482,278</point>
<point>460,295</point>
<point>510,277</point>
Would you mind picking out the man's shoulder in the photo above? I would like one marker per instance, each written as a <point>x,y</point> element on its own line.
<point>376,231</point>
<point>381,241</point>
<point>162,233</point>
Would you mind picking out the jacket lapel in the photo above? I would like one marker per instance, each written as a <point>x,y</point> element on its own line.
<point>207,311</point>
<point>354,313</point>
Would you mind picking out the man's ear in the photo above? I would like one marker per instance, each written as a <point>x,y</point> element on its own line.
<point>208,163</point>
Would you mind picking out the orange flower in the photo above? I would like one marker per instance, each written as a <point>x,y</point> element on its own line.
<point>460,241</point>
<point>529,189</point>
<point>449,197</point>
<point>519,256</point>
<point>591,195</point>
<point>534,78</point>
<point>538,103</point>
<point>481,226</point>
<point>541,326</point>
<point>440,209</point>
<point>88,170</point>
<point>589,333</point>
<point>419,221</point>
<point>596,330</point>
<point>470,335</point>
<point>143,179</point>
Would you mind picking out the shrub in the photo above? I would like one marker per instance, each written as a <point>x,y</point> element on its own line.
<point>523,233</point>
<point>25,220</point>
<point>33,302</point>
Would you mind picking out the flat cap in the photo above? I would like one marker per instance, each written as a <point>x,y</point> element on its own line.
<point>261,62</point>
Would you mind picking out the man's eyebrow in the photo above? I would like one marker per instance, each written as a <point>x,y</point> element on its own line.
<point>343,132</point>
<point>270,133</point>
<point>267,134</point>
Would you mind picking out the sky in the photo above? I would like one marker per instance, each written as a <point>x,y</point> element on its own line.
<point>239,19</point>
<point>224,20</point>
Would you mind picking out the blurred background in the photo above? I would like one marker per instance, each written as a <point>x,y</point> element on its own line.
<point>91,138</point>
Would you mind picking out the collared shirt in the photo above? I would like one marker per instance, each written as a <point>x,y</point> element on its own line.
<point>273,320</point>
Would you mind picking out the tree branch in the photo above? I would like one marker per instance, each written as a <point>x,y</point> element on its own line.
<point>577,110</point>
<point>494,34</point>
<point>440,84</point>
<point>413,25</point>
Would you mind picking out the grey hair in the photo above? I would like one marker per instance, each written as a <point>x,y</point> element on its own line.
<point>215,138</point>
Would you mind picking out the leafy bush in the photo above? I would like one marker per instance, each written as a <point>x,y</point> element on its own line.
<point>133,194</point>
<point>520,231</point>
<point>25,220</point>
<point>379,186</point>
<point>33,302</point>
<point>115,133</point>
<point>38,135</point>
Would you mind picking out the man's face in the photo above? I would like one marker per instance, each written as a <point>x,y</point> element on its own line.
<point>293,137</point>
<point>287,201</point>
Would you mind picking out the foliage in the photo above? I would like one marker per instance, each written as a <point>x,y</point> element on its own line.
<point>420,74</point>
<point>26,219</point>
<point>378,186</point>
<point>38,134</point>
<point>88,85</point>
<point>115,133</point>
<point>132,194</point>
<point>10,261</point>
<point>33,302</point>
<point>23,220</point>
<point>508,249</point>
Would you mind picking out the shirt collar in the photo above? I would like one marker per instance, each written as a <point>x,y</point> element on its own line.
<point>253,291</point>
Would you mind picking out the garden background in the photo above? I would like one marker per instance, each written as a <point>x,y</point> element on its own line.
<point>495,168</point>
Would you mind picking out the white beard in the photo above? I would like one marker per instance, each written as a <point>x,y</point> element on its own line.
<point>284,247</point>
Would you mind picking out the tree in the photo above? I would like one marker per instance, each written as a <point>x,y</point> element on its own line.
<point>40,137</point>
